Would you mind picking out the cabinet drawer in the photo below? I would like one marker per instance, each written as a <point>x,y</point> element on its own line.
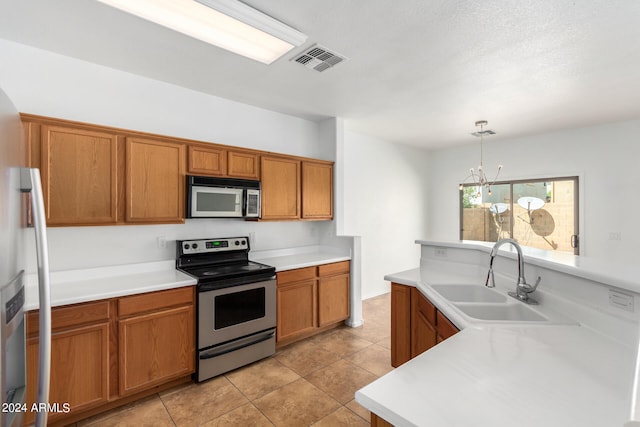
<point>333,268</point>
<point>71,315</point>
<point>424,306</point>
<point>154,301</point>
<point>296,275</point>
<point>444,327</point>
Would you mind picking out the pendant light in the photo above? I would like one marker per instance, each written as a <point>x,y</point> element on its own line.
<point>479,177</point>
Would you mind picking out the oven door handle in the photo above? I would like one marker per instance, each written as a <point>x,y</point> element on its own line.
<point>246,342</point>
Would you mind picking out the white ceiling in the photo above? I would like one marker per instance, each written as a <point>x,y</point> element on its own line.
<point>420,72</point>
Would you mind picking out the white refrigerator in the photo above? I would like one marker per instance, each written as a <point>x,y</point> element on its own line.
<point>20,188</point>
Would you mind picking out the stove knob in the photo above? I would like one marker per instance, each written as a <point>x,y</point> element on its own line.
<point>237,242</point>
<point>195,246</point>
<point>186,246</point>
<point>244,242</point>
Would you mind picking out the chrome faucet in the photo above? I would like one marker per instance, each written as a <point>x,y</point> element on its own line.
<point>523,289</point>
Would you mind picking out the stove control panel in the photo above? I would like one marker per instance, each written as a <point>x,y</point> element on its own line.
<point>204,246</point>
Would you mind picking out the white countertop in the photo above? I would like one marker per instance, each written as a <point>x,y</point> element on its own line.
<point>289,259</point>
<point>76,286</point>
<point>552,376</point>
<point>83,285</point>
<point>496,375</point>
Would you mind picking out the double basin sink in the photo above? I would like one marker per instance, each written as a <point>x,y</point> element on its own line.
<point>486,304</point>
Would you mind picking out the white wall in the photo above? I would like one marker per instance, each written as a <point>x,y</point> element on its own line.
<point>385,202</point>
<point>44,83</point>
<point>604,157</point>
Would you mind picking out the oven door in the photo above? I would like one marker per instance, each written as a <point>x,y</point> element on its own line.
<point>234,312</point>
<point>215,202</point>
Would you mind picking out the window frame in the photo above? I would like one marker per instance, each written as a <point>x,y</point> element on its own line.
<point>575,239</point>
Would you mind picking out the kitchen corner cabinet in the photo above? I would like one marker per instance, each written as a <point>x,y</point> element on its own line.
<point>108,352</point>
<point>311,300</point>
<point>280,178</point>
<point>80,358</point>
<point>416,324</point>
<point>317,190</point>
<point>79,176</point>
<point>155,182</point>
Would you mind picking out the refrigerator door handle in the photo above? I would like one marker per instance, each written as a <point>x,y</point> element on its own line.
<point>31,183</point>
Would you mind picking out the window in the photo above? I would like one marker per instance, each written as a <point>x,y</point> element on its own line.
<point>541,213</point>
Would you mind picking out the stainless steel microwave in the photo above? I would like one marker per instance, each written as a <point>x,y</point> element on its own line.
<point>209,197</point>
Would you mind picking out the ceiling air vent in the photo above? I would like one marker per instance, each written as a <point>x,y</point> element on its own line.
<point>319,58</point>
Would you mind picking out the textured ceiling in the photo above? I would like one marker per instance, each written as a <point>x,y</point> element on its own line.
<point>420,72</point>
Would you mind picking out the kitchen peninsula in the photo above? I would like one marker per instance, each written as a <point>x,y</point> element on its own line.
<point>573,368</point>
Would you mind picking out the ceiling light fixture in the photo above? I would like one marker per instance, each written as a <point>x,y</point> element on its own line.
<point>228,24</point>
<point>479,177</point>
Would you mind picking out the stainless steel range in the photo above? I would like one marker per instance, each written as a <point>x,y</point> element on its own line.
<point>236,308</point>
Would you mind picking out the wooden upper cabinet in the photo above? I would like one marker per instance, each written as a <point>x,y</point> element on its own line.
<point>155,181</point>
<point>215,160</point>
<point>280,188</point>
<point>243,165</point>
<point>317,190</point>
<point>79,176</point>
<point>207,161</point>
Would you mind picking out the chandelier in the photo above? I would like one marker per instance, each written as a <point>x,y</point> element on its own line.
<point>479,178</point>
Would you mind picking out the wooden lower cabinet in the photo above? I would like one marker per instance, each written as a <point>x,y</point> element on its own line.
<point>416,324</point>
<point>105,351</point>
<point>297,304</point>
<point>155,347</point>
<point>311,299</point>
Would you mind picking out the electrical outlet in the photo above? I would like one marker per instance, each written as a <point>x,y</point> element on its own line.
<point>621,300</point>
<point>161,242</point>
<point>615,235</point>
<point>252,238</point>
<point>441,252</point>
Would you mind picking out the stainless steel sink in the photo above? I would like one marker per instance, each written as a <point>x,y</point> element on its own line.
<point>501,312</point>
<point>468,293</point>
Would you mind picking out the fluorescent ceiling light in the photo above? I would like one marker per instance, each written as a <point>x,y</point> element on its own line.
<point>228,24</point>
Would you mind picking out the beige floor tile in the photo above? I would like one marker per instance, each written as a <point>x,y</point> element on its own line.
<point>296,404</point>
<point>371,331</point>
<point>244,416</point>
<point>340,342</point>
<point>149,412</point>
<point>200,403</point>
<point>341,380</point>
<point>374,359</point>
<point>262,377</point>
<point>305,357</point>
<point>341,417</point>
<point>385,342</point>
<point>359,410</point>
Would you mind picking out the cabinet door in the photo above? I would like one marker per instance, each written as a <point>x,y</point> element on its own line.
<point>280,188</point>
<point>156,347</point>
<point>317,190</point>
<point>155,181</point>
<point>243,165</point>
<point>79,176</point>
<point>296,309</point>
<point>423,319</point>
<point>400,324</point>
<point>444,327</point>
<point>333,299</point>
<point>207,161</point>
<point>79,369</point>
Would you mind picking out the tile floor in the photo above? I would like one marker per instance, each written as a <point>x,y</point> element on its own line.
<point>311,382</point>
